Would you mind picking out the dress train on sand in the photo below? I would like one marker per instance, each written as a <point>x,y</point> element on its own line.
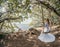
<point>46,36</point>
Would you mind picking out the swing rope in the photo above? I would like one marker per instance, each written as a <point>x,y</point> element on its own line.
<point>42,18</point>
<point>48,18</point>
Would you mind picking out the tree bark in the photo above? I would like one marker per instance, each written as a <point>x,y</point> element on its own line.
<point>4,19</point>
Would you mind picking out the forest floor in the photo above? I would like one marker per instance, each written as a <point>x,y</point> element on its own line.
<point>30,39</point>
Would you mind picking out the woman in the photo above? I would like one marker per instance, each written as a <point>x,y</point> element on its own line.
<point>46,36</point>
<point>46,26</point>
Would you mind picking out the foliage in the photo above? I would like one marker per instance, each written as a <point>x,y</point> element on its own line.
<point>19,8</point>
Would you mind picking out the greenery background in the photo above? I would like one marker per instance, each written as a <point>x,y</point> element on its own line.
<point>38,10</point>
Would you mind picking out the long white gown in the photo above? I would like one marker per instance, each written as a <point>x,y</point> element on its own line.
<point>46,37</point>
<point>24,25</point>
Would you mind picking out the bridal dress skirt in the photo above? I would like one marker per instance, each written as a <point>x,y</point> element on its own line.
<point>46,37</point>
<point>46,29</point>
<point>24,27</point>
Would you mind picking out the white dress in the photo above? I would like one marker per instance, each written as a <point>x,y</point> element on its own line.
<point>46,28</point>
<point>46,37</point>
<point>24,27</point>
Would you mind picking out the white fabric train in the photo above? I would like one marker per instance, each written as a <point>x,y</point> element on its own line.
<point>46,37</point>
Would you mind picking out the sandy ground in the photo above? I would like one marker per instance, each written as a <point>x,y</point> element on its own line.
<point>29,39</point>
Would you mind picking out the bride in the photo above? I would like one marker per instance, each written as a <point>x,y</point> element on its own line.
<point>45,36</point>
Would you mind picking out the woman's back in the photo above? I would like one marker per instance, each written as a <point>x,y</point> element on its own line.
<point>46,26</point>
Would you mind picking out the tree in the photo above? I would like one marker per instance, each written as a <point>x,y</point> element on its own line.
<point>15,9</point>
<point>50,6</point>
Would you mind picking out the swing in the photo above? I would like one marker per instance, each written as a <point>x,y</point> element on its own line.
<point>46,37</point>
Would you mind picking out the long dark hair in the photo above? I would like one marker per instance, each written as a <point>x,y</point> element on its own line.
<point>47,20</point>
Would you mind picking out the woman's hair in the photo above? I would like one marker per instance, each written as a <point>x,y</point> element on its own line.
<point>47,20</point>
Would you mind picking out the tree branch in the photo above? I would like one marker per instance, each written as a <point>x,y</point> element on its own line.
<point>49,6</point>
<point>4,19</point>
<point>1,25</point>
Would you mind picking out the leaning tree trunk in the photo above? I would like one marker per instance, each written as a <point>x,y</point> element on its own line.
<point>42,15</point>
